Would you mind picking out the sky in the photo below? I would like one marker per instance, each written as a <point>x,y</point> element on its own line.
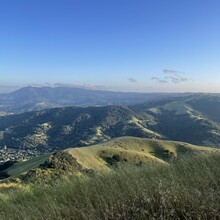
<point>123,45</point>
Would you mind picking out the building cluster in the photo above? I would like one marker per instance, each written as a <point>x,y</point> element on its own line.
<point>10,154</point>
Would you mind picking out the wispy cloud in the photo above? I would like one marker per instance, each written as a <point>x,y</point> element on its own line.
<point>173,76</point>
<point>172,71</point>
<point>132,80</point>
<point>83,86</point>
<point>157,79</point>
<point>178,79</point>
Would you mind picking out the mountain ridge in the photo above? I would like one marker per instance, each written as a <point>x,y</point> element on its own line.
<point>168,118</point>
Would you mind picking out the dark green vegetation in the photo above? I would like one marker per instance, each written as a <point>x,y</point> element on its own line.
<point>69,127</point>
<point>193,119</point>
<point>187,189</point>
<point>60,165</point>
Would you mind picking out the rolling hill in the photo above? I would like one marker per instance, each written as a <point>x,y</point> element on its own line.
<point>188,119</point>
<point>134,151</point>
<point>194,119</point>
<point>102,157</point>
<point>61,128</point>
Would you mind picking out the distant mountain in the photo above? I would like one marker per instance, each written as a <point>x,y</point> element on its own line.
<point>188,119</point>
<point>38,98</point>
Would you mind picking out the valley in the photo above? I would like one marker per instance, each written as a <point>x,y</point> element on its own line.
<point>174,118</point>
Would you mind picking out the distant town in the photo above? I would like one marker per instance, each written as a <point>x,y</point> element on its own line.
<point>11,154</point>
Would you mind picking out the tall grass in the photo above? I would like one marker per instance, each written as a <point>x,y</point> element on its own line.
<point>187,189</point>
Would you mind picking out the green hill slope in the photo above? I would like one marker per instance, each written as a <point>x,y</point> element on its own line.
<point>192,119</point>
<point>72,126</point>
<point>207,104</point>
<point>17,168</point>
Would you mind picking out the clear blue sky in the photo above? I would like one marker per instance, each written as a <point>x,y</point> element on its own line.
<point>133,45</point>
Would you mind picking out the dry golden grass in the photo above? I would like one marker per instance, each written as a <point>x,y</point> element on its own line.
<point>134,150</point>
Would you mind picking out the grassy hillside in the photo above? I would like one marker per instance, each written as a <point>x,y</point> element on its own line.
<point>188,189</point>
<point>115,153</point>
<point>134,151</point>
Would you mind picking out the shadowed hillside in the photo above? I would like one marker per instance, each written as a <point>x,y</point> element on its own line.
<point>72,126</point>
<point>193,119</point>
